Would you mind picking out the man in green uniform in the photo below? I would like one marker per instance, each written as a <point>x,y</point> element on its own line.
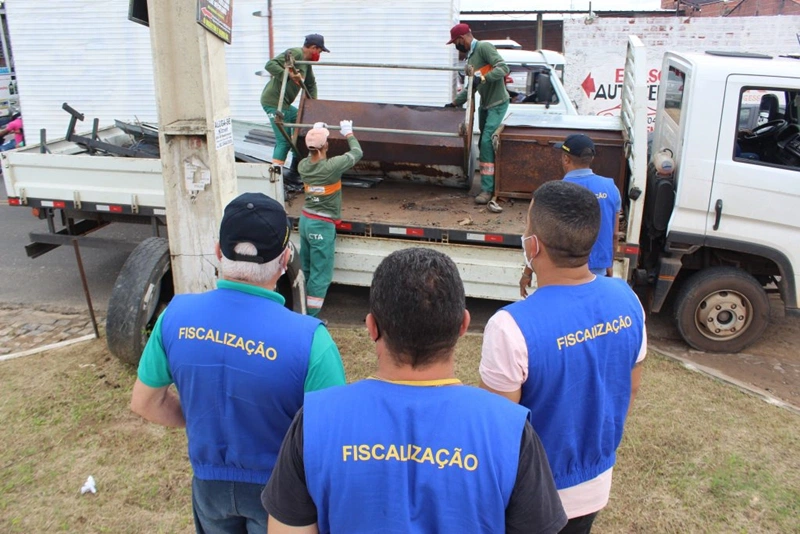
<point>322,181</point>
<point>299,75</point>
<point>490,71</point>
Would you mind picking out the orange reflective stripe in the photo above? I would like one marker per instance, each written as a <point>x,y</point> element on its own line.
<point>487,168</point>
<point>323,189</point>
<point>485,70</point>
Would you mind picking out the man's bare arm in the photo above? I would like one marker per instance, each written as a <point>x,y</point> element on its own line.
<point>276,527</point>
<point>157,405</point>
<point>513,396</point>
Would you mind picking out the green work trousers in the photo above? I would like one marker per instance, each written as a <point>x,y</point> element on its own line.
<point>317,242</point>
<point>282,146</point>
<point>488,122</point>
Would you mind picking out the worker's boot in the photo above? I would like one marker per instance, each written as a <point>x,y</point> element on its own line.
<point>483,198</point>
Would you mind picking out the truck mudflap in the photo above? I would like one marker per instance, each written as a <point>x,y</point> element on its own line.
<point>668,269</point>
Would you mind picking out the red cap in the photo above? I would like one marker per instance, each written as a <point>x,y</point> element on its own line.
<point>457,31</point>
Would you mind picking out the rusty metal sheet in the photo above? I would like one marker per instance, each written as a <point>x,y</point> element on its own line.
<point>525,158</point>
<point>433,159</point>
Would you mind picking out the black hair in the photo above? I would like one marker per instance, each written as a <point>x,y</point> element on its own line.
<point>585,159</point>
<point>566,219</point>
<point>417,300</point>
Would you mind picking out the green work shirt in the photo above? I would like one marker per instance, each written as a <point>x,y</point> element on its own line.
<point>324,363</point>
<point>272,91</point>
<point>316,175</point>
<point>493,91</point>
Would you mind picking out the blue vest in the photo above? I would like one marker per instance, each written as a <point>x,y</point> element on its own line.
<point>582,342</point>
<point>602,255</point>
<point>385,457</point>
<point>239,362</point>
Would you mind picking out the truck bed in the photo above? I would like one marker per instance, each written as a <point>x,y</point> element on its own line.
<point>425,207</point>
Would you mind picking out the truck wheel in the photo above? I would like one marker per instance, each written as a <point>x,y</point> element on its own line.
<point>292,285</point>
<point>141,292</point>
<point>721,309</point>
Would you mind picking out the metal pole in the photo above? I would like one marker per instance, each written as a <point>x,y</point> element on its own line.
<point>540,29</point>
<point>269,26</point>
<point>290,61</point>
<point>283,89</point>
<point>376,65</point>
<point>380,130</point>
<point>85,287</point>
<point>199,176</point>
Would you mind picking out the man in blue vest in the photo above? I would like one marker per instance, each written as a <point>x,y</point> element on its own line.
<point>577,154</point>
<point>411,449</point>
<point>241,363</point>
<point>571,351</point>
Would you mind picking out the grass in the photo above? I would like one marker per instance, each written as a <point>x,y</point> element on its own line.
<point>698,456</point>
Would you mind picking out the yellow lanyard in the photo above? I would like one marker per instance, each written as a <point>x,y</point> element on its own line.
<point>435,383</point>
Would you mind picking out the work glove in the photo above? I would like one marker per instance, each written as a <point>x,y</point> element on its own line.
<point>345,128</point>
<point>320,125</point>
<point>450,105</point>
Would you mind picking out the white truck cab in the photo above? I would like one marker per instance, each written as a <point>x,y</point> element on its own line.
<point>534,81</point>
<point>727,212</point>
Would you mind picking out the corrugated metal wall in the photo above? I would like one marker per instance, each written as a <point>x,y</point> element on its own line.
<point>375,31</point>
<point>81,52</point>
<point>89,54</point>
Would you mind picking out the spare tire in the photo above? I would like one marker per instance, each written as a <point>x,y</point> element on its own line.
<point>143,289</point>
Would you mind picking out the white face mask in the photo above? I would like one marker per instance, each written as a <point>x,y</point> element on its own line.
<point>524,255</point>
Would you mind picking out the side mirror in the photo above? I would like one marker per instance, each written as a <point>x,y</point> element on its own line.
<point>544,88</point>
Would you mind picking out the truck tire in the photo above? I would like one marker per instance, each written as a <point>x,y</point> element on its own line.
<point>132,313</point>
<point>721,309</point>
<point>141,292</point>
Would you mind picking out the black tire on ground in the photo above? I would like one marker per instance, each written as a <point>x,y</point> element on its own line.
<point>721,309</point>
<point>292,285</point>
<point>141,292</point>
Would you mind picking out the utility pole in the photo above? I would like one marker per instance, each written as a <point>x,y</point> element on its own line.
<point>195,136</point>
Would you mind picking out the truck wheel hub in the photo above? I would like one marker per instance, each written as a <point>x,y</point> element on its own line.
<point>723,314</point>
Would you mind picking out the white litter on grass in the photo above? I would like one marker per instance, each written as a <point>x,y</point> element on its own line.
<point>89,486</point>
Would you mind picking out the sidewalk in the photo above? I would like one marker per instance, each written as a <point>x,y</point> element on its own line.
<point>25,328</point>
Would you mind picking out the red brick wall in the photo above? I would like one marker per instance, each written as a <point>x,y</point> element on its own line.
<point>746,8</point>
<point>521,31</point>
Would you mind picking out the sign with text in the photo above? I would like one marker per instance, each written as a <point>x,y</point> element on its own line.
<point>223,132</point>
<point>217,17</point>
<point>601,92</point>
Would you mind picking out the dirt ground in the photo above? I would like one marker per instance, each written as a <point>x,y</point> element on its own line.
<point>771,364</point>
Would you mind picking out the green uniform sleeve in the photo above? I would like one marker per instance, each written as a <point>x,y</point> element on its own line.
<point>275,65</point>
<point>325,367</point>
<point>153,365</point>
<point>346,161</point>
<point>461,97</point>
<point>492,57</point>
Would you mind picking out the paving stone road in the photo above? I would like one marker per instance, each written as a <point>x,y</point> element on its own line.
<point>23,328</point>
